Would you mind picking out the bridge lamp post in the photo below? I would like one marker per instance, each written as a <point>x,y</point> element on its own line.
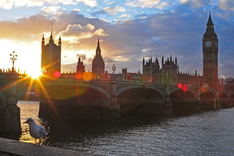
<point>13,57</point>
<point>113,69</point>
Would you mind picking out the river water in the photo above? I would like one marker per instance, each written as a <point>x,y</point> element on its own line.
<point>205,133</point>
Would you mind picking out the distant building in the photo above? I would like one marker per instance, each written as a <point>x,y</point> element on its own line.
<point>98,65</point>
<point>50,56</point>
<point>80,68</point>
<point>153,72</point>
<point>170,69</point>
<point>169,73</point>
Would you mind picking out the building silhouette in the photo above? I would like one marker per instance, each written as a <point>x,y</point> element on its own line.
<point>169,73</point>
<point>98,65</point>
<point>153,72</point>
<point>80,68</point>
<point>210,55</point>
<point>50,56</point>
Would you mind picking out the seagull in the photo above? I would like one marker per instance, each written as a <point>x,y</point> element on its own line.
<point>36,131</point>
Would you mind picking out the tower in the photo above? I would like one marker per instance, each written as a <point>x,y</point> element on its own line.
<point>210,55</point>
<point>50,56</point>
<point>98,65</point>
<point>80,68</point>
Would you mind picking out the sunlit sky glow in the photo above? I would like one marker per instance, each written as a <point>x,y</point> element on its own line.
<point>129,30</point>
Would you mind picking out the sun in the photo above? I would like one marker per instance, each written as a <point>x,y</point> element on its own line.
<point>35,74</point>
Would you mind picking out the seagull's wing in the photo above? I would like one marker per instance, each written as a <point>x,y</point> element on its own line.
<point>42,131</point>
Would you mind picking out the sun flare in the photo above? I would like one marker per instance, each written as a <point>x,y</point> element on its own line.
<point>35,74</point>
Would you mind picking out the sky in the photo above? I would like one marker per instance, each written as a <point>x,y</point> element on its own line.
<point>128,30</point>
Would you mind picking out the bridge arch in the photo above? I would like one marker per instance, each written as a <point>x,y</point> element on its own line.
<point>100,90</point>
<point>139,98</point>
<point>178,95</point>
<point>177,89</point>
<point>207,96</point>
<point>223,95</point>
<point>119,91</point>
<point>73,92</point>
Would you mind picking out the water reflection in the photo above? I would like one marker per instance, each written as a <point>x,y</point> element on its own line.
<point>206,133</point>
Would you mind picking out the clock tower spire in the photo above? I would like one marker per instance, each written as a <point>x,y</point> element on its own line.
<point>210,55</point>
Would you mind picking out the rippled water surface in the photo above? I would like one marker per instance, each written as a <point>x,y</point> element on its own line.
<point>206,133</point>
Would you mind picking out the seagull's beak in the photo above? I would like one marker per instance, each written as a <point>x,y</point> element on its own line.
<point>24,122</point>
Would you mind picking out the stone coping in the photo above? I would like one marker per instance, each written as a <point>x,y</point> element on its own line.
<point>10,147</point>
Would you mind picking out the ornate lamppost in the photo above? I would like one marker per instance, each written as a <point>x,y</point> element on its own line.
<point>113,68</point>
<point>13,57</point>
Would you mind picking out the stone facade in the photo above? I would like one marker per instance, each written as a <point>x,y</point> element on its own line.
<point>98,65</point>
<point>80,68</point>
<point>50,56</point>
<point>210,55</point>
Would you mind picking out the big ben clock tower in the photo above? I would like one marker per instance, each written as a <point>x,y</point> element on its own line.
<point>210,55</point>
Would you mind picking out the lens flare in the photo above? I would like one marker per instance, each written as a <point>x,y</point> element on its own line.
<point>87,76</point>
<point>185,88</point>
<point>57,74</point>
<point>78,76</point>
<point>180,85</point>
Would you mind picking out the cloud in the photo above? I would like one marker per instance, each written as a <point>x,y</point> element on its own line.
<point>196,3</point>
<point>227,5</point>
<point>159,4</point>
<point>82,56</point>
<point>90,3</point>
<point>9,4</point>
<point>109,10</point>
<point>178,33</point>
<point>51,9</point>
<point>109,60</point>
<point>76,10</point>
<point>125,15</point>
<point>144,3</point>
<point>76,32</point>
<point>67,68</point>
<point>111,3</point>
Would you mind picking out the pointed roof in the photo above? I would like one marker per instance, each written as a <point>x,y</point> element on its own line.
<point>51,35</point>
<point>98,50</point>
<point>210,22</point>
<point>210,27</point>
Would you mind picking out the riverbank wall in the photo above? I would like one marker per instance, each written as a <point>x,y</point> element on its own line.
<point>10,147</point>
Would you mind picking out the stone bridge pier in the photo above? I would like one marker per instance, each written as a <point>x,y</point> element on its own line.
<point>13,86</point>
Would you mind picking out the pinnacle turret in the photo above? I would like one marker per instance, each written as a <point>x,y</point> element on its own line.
<point>210,24</point>
<point>98,50</point>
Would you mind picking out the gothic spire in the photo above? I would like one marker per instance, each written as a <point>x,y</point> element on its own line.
<point>51,35</point>
<point>43,39</point>
<point>98,50</point>
<point>210,26</point>
<point>210,23</point>
<point>59,42</point>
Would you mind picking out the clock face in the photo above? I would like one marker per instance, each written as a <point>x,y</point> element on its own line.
<point>208,43</point>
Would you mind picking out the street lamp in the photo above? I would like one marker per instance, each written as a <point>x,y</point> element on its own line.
<point>13,57</point>
<point>113,68</point>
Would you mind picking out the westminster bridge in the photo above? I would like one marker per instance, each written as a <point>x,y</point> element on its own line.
<point>71,98</point>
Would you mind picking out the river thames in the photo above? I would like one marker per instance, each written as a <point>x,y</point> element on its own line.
<point>205,133</point>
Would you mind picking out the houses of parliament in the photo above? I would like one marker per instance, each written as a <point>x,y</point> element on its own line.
<point>152,72</point>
